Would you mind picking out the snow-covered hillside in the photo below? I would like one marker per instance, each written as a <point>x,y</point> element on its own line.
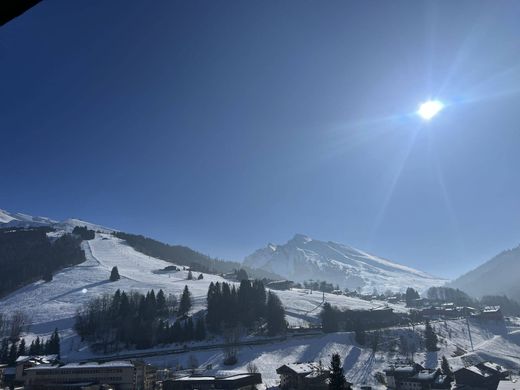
<point>54,304</point>
<point>491,342</point>
<point>498,276</point>
<point>303,258</point>
<point>8,219</point>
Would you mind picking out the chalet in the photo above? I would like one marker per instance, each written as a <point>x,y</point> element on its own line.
<point>303,376</point>
<point>484,375</point>
<point>280,284</point>
<point>413,376</point>
<point>491,313</point>
<point>200,382</point>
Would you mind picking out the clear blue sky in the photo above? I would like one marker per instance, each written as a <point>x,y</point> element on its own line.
<point>224,125</point>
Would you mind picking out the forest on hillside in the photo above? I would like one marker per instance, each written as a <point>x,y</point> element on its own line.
<point>28,254</point>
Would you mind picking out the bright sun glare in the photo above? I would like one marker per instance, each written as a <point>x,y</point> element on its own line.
<point>429,109</point>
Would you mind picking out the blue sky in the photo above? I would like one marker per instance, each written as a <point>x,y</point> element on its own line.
<point>224,125</point>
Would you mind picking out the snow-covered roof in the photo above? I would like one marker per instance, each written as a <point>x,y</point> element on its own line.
<point>304,368</point>
<point>89,365</point>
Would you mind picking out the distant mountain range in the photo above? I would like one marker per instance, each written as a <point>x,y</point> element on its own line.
<point>303,258</point>
<point>498,276</point>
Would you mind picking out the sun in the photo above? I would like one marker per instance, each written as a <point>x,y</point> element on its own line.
<point>429,109</point>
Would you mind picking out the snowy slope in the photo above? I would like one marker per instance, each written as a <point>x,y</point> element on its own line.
<point>303,258</point>
<point>498,276</point>
<point>491,342</point>
<point>8,219</point>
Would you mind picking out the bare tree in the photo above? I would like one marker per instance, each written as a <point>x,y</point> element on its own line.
<point>252,368</point>
<point>18,322</point>
<point>232,339</point>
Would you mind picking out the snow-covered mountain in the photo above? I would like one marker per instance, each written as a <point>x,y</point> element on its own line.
<point>498,276</point>
<point>8,219</point>
<point>303,258</point>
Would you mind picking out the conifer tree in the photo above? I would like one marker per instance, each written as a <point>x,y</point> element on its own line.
<point>200,330</point>
<point>13,353</point>
<point>445,367</point>
<point>21,348</point>
<point>185,303</point>
<point>190,275</point>
<point>4,351</point>
<point>430,338</point>
<point>114,274</point>
<point>275,314</point>
<point>337,379</point>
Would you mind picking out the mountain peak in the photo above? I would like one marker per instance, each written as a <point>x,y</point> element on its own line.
<point>300,238</point>
<point>303,258</point>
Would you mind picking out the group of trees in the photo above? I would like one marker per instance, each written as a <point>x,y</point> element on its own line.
<point>27,255</point>
<point>84,233</point>
<point>246,305</point>
<point>134,319</point>
<point>11,350</point>
<point>320,285</point>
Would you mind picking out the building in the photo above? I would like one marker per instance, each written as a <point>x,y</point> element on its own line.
<point>303,376</point>
<point>121,375</point>
<point>485,375</point>
<point>491,313</point>
<point>25,362</point>
<point>413,376</point>
<point>226,382</point>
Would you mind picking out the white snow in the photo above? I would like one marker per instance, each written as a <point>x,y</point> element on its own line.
<point>303,258</point>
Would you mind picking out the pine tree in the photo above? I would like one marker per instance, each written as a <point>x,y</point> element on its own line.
<point>329,318</point>
<point>200,330</point>
<point>21,348</point>
<point>13,352</point>
<point>185,303</point>
<point>411,296</point>
<point>200,277</point>
<point>54,343</point>
<point>430,338</point>
<point>190,275</point>
<point>275,314</point>
<point>114,274</point>
<point>445,367</point>
<point>4,351</point>
<point>337,379</point>
<point>162,310</point>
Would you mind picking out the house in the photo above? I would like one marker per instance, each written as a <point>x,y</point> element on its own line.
<point>491,313</point>
<point>485,375</point>
<point>303,376</point>
<point>413,376</point>
<point>280,284</point>
<point>226,382</point>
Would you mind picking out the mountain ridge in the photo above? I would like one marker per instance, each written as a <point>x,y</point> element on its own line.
<point>303,258</point>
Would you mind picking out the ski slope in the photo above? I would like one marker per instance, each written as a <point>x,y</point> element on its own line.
<point>54,304</point>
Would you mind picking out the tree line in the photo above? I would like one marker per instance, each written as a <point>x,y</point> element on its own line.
<point>27,255</point>
<point>247,306</point>
<point>11,350</point>
<point>110,322</point>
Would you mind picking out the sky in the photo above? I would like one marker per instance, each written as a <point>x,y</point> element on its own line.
<point>225,125</point>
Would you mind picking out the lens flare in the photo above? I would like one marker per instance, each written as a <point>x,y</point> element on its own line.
<point>429,109</point>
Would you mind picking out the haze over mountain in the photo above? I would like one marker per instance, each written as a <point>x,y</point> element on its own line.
<point>498,276</point>
<point>303,258</point>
